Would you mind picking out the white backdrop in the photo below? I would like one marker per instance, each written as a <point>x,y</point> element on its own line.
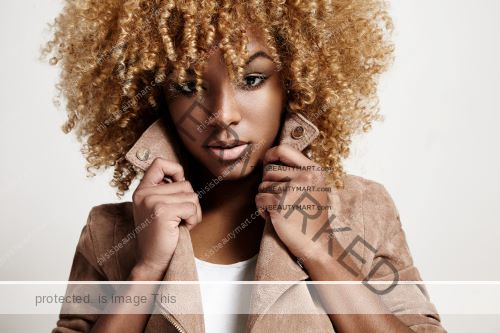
<point>436,151</point>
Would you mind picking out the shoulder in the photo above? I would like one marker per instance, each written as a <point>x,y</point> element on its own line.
<point>387,256</point>
<point>354,182</point>
<point>366,193</point>
<point>372,195</point>
<point>110,232</point>
<point>109,213</point>
<point>106,220</point>
<point>376,207</point>
<point>380,230</point>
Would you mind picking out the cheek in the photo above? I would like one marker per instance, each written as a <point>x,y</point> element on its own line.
<point>187,120</point>
<point>263,112</point>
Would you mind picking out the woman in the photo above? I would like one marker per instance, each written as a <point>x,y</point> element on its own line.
<point>237,114</point>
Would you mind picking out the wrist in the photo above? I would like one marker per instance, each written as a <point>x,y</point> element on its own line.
<point>143,272</point>
<point>320,259</point>
<point>316,253</point>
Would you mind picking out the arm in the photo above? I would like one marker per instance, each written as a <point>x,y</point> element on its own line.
<point>74,318</point>
<point>351,308</point>
<point>159,208</point>
<point>411,302</point>
<point>83,268</point>
<point>130,322</point>
<point>405,304</point>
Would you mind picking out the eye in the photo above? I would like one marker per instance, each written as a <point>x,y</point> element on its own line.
<point>254,80</point>
<point>187,87</point>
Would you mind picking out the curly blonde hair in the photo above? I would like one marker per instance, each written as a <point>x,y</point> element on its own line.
<point>329,52</point>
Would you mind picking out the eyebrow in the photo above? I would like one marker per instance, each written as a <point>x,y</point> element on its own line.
<point>256,55</point>
<point>190,71</point>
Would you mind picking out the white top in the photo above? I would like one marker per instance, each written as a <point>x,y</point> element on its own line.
<point>222,302</point>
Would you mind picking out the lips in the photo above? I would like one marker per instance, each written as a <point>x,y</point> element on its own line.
<point>226,144</point>
<point>227,150</point>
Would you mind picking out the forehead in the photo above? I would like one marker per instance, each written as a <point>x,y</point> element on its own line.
<point>256,41</point>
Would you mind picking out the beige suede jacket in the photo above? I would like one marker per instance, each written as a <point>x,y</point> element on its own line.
<point>363,208</point>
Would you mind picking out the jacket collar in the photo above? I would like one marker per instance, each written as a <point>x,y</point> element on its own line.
<point>274,263</point>
<point>297,132</point>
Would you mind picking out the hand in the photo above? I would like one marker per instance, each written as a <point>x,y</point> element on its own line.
<point>293,186</point>
<point>162,206</point>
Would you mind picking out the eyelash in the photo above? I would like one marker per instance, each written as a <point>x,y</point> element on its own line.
<point>262,77</point>
<point>180,88</point>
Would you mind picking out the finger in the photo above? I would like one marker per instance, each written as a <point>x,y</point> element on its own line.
<point>260,203</point>
<point>178,198</point>
<point>286,155</point>
<point>196,200</point>
<point>273,187</point>
<point>159,169</point>
<point>273,172</point>
<point>263,200</point>
<point>165,189</point>
<point>173,198</point>
<point>183,211</point>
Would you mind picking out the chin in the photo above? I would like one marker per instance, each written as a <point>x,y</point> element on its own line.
<point>231,171</point>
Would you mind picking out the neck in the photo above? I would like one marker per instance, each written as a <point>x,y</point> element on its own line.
<point>225,207</point>
<point>231,196</point>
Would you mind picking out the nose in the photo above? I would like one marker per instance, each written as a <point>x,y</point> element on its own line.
<point>225,107</point>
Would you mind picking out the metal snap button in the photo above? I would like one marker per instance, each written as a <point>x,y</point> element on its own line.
<point>142,154</point>
<point>298,132</point>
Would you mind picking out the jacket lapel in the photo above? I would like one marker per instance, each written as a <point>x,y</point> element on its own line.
<point>274,263</point>
<point>187,311</point>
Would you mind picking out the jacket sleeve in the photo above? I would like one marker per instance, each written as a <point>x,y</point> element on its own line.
<point>392,261</point>
<point>83,268</point>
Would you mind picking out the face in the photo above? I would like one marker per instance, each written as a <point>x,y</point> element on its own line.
<point>229,129</point>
